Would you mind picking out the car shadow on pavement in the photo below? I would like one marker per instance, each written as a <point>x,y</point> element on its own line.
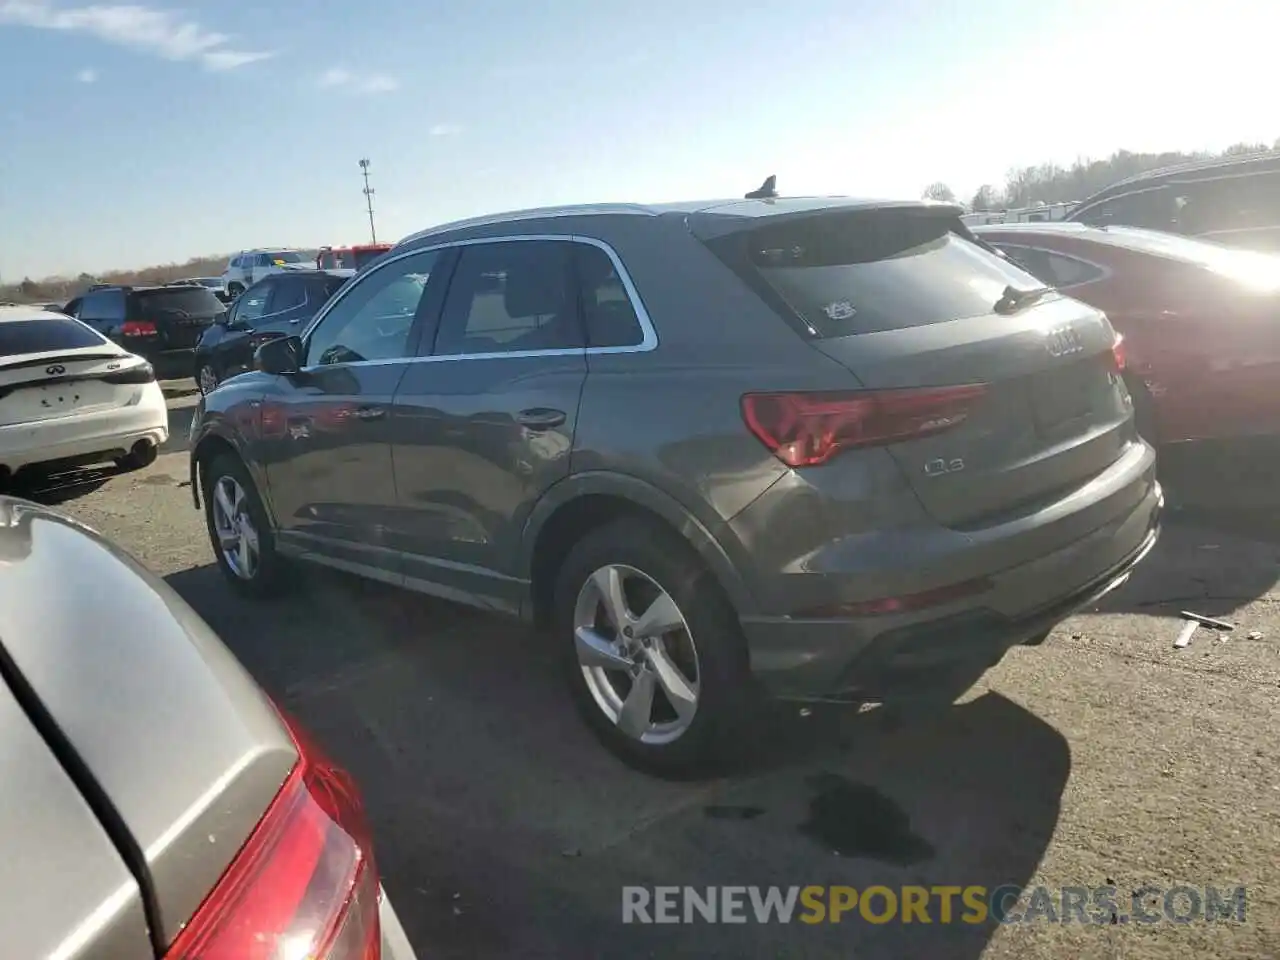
<point>504,829</point>
<point>1220,546</point>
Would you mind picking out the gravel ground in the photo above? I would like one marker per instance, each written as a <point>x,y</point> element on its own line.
<point>1104,755</point>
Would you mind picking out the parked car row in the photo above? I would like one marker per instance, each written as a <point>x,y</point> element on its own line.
<point>821,447</point>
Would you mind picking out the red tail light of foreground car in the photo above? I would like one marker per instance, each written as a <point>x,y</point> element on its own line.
<point>304,887</point>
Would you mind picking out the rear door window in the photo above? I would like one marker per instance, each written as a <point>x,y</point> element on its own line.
<point>607,312</point>
<point>1053,269</point>
<point>184,302</point>
<point>288,293</point>
<point>45,334</point>
<point>873,270</point>
<point>510,297</point>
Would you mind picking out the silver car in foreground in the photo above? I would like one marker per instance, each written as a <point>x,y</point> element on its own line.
<point>155,803</point>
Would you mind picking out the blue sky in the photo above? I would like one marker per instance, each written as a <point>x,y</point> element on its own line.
<point>156,130</point>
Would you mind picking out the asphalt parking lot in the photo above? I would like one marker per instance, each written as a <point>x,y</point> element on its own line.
<point>1104,755</point>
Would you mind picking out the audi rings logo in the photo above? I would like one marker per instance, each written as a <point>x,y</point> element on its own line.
<point>56,370</point>
<point>1064,341</point>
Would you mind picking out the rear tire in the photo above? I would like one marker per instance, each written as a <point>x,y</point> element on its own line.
<point>240,532</point>
<point>678,736</point>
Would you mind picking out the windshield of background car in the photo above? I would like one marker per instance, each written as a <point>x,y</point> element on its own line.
<point>868,271</point>
<point>285,256</point>
<point>211,282</point>
<point>45,334</point>
<point>193,301</point>
<point>1259,271</point>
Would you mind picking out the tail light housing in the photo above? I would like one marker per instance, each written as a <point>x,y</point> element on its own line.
<point>303,886</point>
<point>138,328</point>
<point>138,373</point>
<point>808,429</point>
<point>1118,356</point>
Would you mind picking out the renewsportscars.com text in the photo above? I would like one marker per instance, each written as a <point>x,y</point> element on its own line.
<point>972,904</point>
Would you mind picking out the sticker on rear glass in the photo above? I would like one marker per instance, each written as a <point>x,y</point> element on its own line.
<point>839,310</point>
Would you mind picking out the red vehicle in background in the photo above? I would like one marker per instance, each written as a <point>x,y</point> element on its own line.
<point>355,257</point>
<point>1200,321</point>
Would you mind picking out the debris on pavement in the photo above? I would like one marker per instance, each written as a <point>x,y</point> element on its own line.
<point>1184,638</point>
<point>1255,635</point>
<point>1207,621</point>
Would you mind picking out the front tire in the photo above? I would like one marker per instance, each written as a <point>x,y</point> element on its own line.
<point>234,289</point>
<point>240,532</point>
<point>652,649</point>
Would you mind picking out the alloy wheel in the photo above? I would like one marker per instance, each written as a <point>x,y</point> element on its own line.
<point>206,380</point>
<point>234,528</point>
<point>637,654</point>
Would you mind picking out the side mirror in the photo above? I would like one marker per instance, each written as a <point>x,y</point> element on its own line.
<point>281,356</point>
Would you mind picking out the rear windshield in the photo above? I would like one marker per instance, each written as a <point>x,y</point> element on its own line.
<point>45,334</point>
<point>870,271</point>
<point>285,256</point>
<point>1250,267</point>
<point>192,300</point>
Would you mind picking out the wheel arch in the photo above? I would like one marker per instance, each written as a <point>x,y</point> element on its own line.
<point>212,444</point>
<point>584,502</point>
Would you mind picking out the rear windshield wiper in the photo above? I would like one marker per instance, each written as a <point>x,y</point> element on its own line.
<point>1013,299</point>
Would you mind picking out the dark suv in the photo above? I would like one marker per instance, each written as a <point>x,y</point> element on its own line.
<point>162,324</point>
<point>275,307</point>
<point>835,447</point>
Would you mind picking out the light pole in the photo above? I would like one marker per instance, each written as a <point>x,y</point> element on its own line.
<point>368,197</point>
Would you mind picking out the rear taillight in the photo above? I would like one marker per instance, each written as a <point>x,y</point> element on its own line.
<point>304,885</point>
<point>138,328</point>
<point>807,429</point>
<point>1118,354</point>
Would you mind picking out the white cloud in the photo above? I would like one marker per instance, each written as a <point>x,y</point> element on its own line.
<point>360,83</point>
<point>444,130</point>
<point>162,33</point>
<point>87,76</point>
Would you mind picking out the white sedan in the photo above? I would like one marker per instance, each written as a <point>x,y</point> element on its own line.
<point>69,395</point>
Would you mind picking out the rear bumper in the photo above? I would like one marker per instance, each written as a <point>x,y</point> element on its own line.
<point>950,646</point>
<point>100,435</point>
<point>395,945</point>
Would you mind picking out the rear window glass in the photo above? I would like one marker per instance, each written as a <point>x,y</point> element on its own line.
<point>45,334</point>
<point>193,300</point>
<point>1250,267</point>
<point>871,271</point>
<point>284,256</point>
<point>332,285</point>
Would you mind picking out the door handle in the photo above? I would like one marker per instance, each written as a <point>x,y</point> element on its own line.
<point>370,413</point>
<point>541,418</point>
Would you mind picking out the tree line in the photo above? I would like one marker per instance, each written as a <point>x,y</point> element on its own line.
<point>1050,183</point>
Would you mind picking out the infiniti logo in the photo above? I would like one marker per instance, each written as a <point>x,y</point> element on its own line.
<point>56,370</point>
<point>1064,341</point>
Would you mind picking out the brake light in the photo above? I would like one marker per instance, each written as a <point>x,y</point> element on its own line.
<point>138,373</point>
<point>138,328</point>
<point>1118,353</point>
<point>807,429</point>
<point>304,885</point>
